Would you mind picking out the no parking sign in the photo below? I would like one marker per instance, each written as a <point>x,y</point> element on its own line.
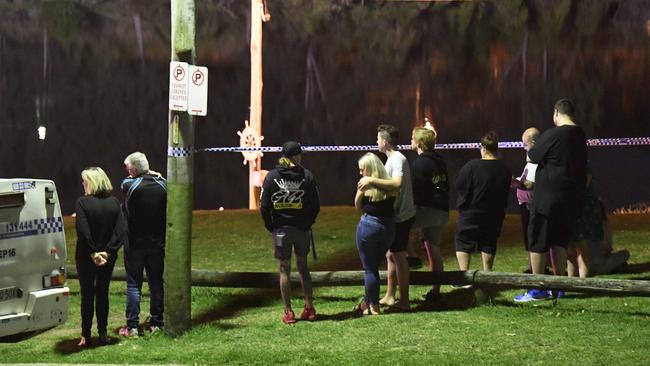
<point>188,88</point>
<point>197,103</point>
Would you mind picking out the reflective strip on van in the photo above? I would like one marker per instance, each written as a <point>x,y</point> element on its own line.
<point>31,227</point>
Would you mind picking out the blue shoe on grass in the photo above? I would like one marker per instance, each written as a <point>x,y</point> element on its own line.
<point>533,295</point>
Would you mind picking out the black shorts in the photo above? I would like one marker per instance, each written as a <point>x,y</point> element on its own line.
<point>546,231</point>
<point>478,230</point>
<point>402,232</point>
<point>288,237</point>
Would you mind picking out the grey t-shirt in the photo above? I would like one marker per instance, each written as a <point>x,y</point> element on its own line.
<point>398,166</point>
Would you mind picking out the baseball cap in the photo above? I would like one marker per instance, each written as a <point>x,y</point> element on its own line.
<point>291,148</point>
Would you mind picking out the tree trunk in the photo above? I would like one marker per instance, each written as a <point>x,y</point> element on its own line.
<point>180,181</point>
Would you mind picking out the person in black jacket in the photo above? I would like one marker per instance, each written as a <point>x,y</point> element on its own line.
<point>431,198</point>
<point>483,186</point>
<point>289,205</point>
<point>100,231</point>
<point>145,208</point>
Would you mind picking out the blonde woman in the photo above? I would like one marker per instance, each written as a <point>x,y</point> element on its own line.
<point>100,232</point>
<point>375,231</point>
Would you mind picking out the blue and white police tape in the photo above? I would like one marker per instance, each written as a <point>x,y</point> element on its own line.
<point>617,141</point>
<point>179,152</point>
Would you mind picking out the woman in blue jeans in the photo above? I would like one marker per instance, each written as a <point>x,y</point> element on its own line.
<point>375,230</point>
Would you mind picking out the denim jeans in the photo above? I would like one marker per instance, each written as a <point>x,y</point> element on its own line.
<point>374,237</point>
<point>136,261</point>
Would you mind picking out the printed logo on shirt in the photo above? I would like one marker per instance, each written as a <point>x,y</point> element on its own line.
<point>436,179</point>
<point>289,196</point>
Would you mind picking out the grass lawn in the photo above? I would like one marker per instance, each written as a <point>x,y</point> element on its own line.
<point>240,326</point>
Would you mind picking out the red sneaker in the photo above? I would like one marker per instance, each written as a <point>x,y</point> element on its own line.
<point>308,314</point>
<point>289,317</point>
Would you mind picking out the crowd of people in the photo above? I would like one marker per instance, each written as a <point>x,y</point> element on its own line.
<point>103,225</point>
<point>562,218</point>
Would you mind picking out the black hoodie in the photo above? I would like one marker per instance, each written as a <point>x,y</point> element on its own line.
<point>289,198</point>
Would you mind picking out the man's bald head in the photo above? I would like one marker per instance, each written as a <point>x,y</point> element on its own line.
<point>529,137</point>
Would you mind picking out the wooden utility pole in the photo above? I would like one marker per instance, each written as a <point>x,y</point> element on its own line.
<point>180,181</point>
<point>255,167</point>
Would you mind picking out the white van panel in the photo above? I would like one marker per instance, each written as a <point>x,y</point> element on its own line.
<point>32,246</point>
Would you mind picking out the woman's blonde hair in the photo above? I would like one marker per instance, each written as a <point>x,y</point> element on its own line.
<point>286,162</point>
<point>371,164</point>
<point>97,180</point>
<point>424,138</point>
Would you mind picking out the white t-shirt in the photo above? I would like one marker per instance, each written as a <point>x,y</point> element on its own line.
<point>530,174</point>
<point>398,166</point>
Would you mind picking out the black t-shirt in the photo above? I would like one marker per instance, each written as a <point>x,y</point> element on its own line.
<point>430,181</point>
<point>561,155</point>
<point>383,208</point>
<point>483,185</point>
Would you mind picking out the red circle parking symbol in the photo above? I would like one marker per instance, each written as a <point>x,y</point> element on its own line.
<point>197,77</point>
<point>179,73</point>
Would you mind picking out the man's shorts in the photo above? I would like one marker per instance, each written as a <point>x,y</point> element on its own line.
<point>431,222</point>
<point>478,230</point>
<point>288,237</point>
<point>545,231</point>
<point>402,231</point>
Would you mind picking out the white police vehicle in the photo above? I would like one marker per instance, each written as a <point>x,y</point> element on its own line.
<point>33,292</point>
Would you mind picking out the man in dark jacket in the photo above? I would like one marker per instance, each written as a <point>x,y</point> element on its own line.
<point>289,205</point>
<point>145,208</point>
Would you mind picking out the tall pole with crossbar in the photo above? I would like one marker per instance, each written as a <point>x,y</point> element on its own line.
<point>180,180</point>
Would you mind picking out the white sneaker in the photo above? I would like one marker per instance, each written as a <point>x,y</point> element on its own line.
<point>129,332</point>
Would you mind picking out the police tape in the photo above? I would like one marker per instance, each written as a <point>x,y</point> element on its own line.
<point>604,142</point>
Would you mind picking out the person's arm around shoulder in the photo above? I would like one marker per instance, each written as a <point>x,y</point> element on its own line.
<point>390,185</point>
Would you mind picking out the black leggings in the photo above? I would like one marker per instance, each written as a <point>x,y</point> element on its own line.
<point>94,283</point>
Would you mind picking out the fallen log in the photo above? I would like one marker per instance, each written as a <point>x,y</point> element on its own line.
<point>478,279</point>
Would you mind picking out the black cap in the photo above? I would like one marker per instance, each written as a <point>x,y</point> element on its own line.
<point>291,148</point>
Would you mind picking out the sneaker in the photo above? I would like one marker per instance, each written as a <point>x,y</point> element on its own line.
<point>461,286</point>
<point>533,295</point>
<point>289,317</point>
<point>129,332</point>
<point>431,296</point>
<point>103,338</point>
<point>308,314</point>
<point>154,329</point>
<point>414,262</point>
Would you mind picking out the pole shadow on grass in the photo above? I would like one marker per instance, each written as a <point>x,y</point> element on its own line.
<point>235,304</point>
